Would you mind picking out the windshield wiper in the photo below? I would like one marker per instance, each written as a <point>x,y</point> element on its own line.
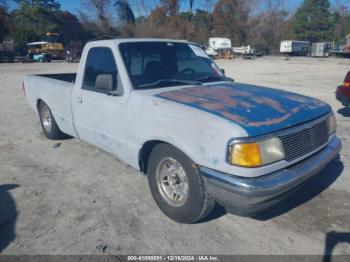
<point>211,78</point>
<point>170,81</point>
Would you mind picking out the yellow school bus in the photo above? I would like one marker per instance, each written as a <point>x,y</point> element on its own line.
<point>51,45</point>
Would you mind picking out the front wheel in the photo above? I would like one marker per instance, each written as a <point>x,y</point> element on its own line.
<point>176,185</point>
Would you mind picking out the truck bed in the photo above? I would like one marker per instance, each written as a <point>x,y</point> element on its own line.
<point>54,90</point>
<point>66,77</point>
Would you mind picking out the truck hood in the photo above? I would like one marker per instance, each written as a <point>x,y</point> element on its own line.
<point>258,110</point>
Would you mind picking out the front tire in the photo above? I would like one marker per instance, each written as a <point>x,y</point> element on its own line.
<point>177,186</point>
<point>48,123</point>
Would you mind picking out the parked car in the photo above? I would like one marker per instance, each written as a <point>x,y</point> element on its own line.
<point>343,91</point>
<point>42,57</point>
<point>166,109</point>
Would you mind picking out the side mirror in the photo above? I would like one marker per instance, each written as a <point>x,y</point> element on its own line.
<point>222,71</point>
<point>105,82</point>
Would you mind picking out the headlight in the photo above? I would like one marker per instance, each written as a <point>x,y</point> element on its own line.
<point>255,154</point>
<point>332,124</point>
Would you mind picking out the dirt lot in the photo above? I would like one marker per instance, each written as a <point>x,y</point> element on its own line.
<point>75,199</point>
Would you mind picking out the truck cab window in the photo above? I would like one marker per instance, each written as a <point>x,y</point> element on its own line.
<point>161,64</point>
<point>100,71</point>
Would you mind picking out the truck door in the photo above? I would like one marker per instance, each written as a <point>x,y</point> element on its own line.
<point>99,106</point>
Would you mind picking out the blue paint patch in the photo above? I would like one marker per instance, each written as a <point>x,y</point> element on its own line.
<point>259,110</point>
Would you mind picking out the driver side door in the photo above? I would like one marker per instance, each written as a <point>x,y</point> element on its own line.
<point>99,106</point>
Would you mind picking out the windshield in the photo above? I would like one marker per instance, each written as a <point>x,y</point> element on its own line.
<point>52,39</point>
<point>161,64</point>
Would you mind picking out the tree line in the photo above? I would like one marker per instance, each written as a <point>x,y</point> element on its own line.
<point>260,23</point>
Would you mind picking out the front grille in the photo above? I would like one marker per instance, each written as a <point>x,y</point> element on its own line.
<point>305,141</point>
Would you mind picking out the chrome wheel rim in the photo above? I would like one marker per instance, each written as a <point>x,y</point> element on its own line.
<point>46,118</point>
<point>172,182</point>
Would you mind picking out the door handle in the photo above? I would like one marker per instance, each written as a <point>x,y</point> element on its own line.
<point>79,100</point>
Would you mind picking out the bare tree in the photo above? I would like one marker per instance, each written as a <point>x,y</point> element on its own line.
<point>191,2</point>
<point>172,6</point>
<point>268,24</point>
<point>141,4</point>
<point>126,15</point>
<point>102,11</point>
<point>100,8</point>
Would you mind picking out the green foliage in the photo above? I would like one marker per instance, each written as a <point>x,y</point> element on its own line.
<point>243,21</point>
<point>30,22</point>
<point>47,4</point>
<point>313,21</point>
<point>33,19</point>
<point>341,27</point>
<point>4,22</point>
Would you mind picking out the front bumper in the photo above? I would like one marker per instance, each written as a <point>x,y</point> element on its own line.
<point>246,196</point>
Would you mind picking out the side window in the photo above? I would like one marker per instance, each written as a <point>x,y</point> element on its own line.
<point>100,70</point>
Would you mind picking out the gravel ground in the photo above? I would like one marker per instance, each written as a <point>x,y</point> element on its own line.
<point>70,198</point>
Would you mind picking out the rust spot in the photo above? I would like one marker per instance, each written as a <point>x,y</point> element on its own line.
<point>235,118</point>
<point>295,109</point>
<point>240,106</point>
<point>212,106</point>
<point>180,97</point>
<point>271,121</point>
<point>269,102</point>
<point>204,96</point>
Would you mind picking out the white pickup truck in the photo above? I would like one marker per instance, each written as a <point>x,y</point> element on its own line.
<point>165,108</point>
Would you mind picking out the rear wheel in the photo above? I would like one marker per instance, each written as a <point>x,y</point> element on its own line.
<point>48,123</point>
<point>176,185</point>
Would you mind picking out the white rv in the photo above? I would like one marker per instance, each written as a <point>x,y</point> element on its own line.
<point>218,43</point>
<point>295,47</point>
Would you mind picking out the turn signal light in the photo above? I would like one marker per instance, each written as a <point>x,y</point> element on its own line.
<point>247,155</point>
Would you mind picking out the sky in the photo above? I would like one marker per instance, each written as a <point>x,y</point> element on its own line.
<point>73,6</point>
<point>70,5</point>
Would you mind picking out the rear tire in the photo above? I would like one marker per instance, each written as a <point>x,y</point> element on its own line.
<point>177,186</point>
<point>48,123</point>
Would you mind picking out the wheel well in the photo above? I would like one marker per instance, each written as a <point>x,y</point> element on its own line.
<point>145,153</point>
<point>38,103</point>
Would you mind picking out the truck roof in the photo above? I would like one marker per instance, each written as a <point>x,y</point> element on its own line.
<point>37,43</point>
<point>132,40</point>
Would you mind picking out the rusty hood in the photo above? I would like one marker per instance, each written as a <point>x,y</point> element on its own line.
<point>259,110</point>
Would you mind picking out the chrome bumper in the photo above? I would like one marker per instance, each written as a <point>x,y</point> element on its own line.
<point>249,195</point>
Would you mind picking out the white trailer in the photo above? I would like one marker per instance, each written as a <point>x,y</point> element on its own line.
<point>218,43</point>
<point>219,48</point>
<point>320,49</point>
<point>290,47</point>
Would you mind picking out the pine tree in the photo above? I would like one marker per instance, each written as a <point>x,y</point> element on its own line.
<point>313,21</point>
